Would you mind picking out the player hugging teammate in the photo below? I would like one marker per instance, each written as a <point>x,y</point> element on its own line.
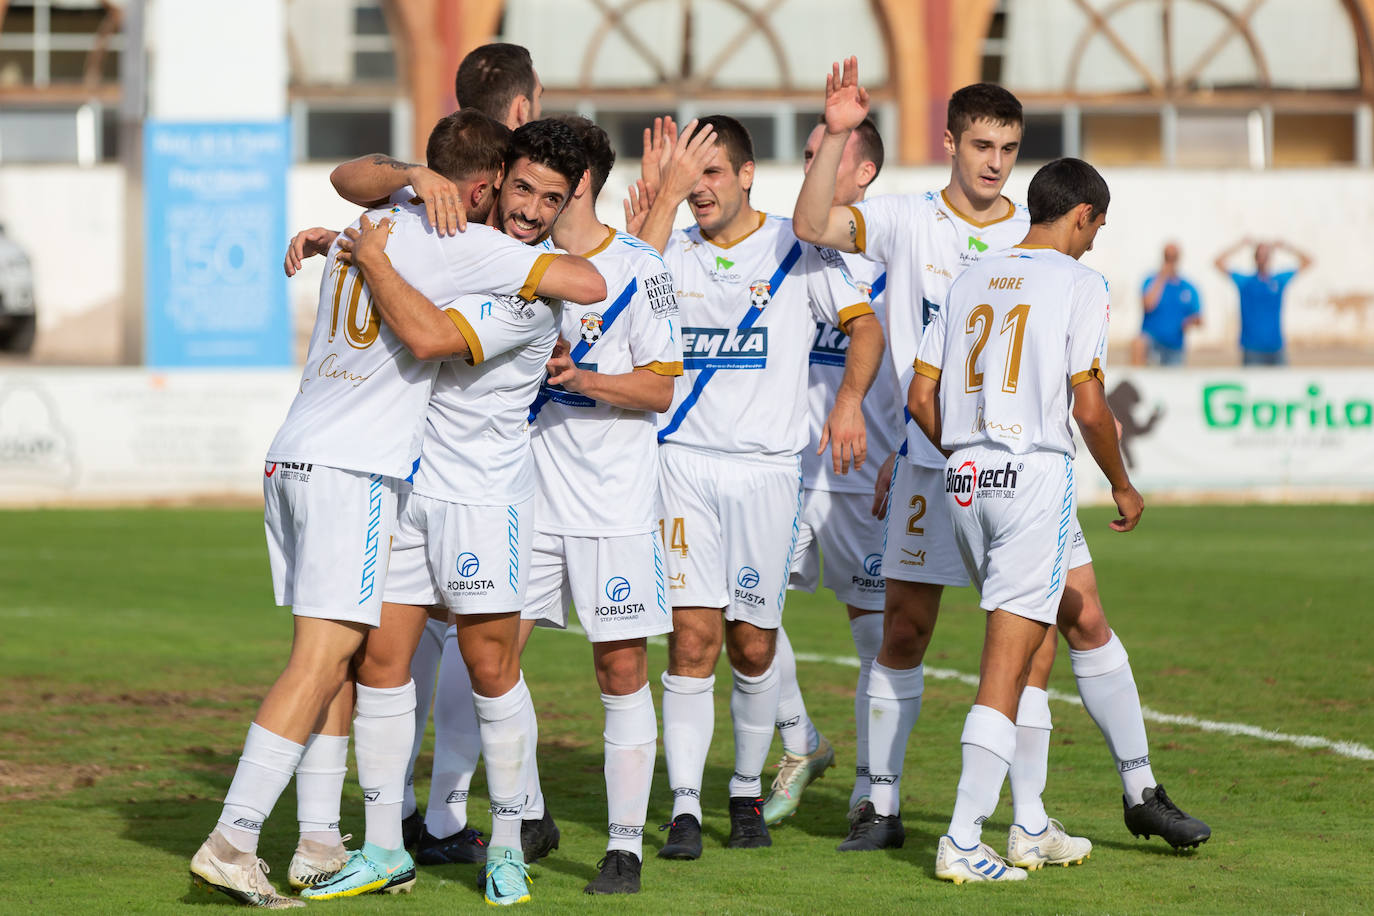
<point>427,507</point>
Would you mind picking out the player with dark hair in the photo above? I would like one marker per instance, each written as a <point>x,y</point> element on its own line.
<point>499,79</point>
<point>730,475</point>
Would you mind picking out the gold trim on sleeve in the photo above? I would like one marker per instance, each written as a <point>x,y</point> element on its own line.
<point>850,312</point>
<point>860,229</point>
<point>541,265</point>
<point>474,343</point>
<point>926,369</point>
<point>1095,372</point>
<point>658,368</point>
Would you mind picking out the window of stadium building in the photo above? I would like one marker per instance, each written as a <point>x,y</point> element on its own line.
<point>59,72</point>
<point>346,98</point>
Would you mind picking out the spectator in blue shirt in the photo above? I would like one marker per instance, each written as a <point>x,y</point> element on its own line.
<point>1261,300</point>
<point>1172,305</point>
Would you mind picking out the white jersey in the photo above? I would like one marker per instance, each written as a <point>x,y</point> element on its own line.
<point>361,403</point>
<point>477,444</point>
<point>925,243</point>
<point>882,406</point>
<point>597,464</point>
<point>1018,332</point>
<point>749,315</point>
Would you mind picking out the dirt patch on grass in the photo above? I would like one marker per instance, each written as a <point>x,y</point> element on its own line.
<point>27,782</point>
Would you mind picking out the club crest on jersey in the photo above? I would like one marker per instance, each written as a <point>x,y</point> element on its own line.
<point>760,293</point>
<point>865,288</point>
<point>591,327</point>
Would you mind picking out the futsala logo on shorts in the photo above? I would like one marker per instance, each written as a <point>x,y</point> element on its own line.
<point>747,579</point>
<point>618,591</point>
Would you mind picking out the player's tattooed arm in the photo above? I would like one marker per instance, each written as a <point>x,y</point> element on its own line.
<point>815,219</point>
<point>425,330</point>
<point>369,181</point>
<point>844,431</point>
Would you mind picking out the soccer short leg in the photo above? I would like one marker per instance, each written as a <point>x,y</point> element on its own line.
<point>479,556</point>
<point>1079,555</point>
<point>619,586</point>
<point>851,541</point>
<point>691,528</point>
<point>919,536</point>
<point>1013,521</point>
<point>328,539</point>
<point>806,558</point>
<point>547,596</point>
<point>409,580</point>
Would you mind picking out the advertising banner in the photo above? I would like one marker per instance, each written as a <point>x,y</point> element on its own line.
<point>215,232</point>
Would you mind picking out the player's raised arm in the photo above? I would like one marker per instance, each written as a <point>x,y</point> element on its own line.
<point>814,219</point>
<point>693,152</point>
<point>369,181</point>
<point>425,330</point>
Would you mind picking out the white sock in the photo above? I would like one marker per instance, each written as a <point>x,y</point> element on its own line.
<point>798,735</point>
<point>534,792</point>
<point>631,743</point>
<point>868,639</point>
<point>457,744</point>
<point>1109,695</point>
<point>1031,761</point>
<point>264,769</point>
<point>753,707</point>
<point>894,705</point>
<point>319,787</point>
<point>989,743</point>
<point>507,726</point>
<point>424,670</point>
<point>383,727</point>
<point>689,720</point>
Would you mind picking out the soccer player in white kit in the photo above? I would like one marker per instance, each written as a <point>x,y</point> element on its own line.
<point>1002,410</point>
<point>596,541</point>
<point>837,530</point>
<point>749,294</point>
<point>926,254</point>
<point>331,483</point>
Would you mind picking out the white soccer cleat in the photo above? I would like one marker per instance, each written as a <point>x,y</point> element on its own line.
<point>315,862</point>
<point>1051,846</point>
<point>238,875</point>
<point>954,863</point>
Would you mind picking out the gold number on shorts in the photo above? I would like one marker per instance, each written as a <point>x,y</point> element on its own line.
<point>360,331</point>
<point>678,541</point>
<point>980,323</point>
<point>918,502</point>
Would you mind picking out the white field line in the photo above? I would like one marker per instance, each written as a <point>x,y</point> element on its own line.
<point>1342,748</point>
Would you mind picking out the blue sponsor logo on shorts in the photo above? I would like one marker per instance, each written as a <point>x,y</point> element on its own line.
<point>618,588</point>
<point>748,577</point>
<point>873,564</point>
<point>468,565</point>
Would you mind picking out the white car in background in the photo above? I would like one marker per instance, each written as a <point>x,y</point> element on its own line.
<point>17,318</point>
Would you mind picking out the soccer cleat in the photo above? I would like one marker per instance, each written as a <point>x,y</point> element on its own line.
<point>316,862</point>
<point>862,810</point>
<point>684,838</point>
<point>1051,846</point>
<point>412,827</point>
<point>464,847</point>
<point>1156,815</point>
<point>366,872</point>
<point>954,863</point>
<point>239,875</point>
<point>504,878</point>
<point>747,829</point>
<point>619,874</point>
<point>795,773</point>
<point>875,831</point>
<point>538,838</point>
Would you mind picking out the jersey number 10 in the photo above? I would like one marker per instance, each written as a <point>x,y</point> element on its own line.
<point>980,322</point>
<point>360,323</point>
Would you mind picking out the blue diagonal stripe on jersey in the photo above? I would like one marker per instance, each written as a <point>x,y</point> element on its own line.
<point>750,316</point>
<point>879,285</point>
<point>608,318</point>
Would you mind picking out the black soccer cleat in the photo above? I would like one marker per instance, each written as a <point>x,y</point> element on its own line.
<point>747,829</point>
<point>1156,815</point>
<point>619,874</point>
<point>874,832</point>
<point>684,838</point>
<point>466,847</point>
<point>539,837</point>
<point>412,827</point>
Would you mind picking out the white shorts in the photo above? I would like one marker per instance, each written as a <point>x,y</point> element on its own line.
<point>618,585</point>
<point>1014,520</point>
<point>328,535</point>
<point>471,559</point>
<point>730,525</point>
<point>918,543</point>
<point>838,531</point>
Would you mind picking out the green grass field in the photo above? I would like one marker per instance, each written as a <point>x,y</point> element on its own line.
<point>136,645</point>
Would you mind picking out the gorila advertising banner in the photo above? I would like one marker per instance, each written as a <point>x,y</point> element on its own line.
<point>1284,434</point>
